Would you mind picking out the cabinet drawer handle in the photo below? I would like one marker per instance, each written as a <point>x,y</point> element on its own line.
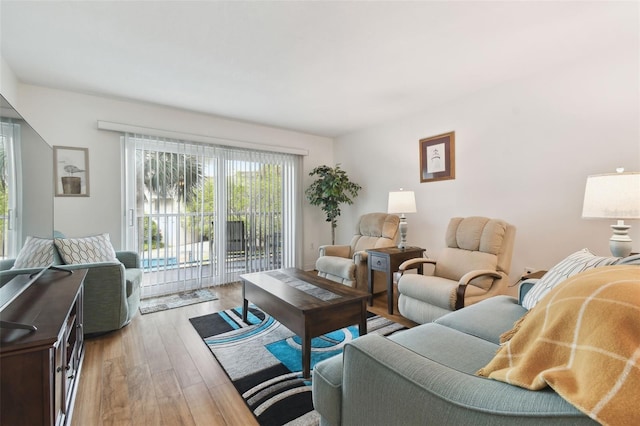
<point>71,376</point>
<point>378,263</point>
<point>59,369</point>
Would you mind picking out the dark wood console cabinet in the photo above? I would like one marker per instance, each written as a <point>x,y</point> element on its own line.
<point>40,369</point>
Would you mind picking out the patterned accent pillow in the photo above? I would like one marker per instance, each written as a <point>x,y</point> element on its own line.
<point>86,250</point>
<point>36,253</point>
<point>573,264</point>
<point>634,259</point>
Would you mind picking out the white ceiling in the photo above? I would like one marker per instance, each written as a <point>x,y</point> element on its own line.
<point>326,68</point>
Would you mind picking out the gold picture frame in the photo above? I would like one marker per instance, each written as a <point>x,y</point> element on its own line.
<point>438,157</point>
<point>71,171</point>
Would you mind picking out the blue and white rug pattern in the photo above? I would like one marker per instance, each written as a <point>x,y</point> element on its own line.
<point>263,359</point>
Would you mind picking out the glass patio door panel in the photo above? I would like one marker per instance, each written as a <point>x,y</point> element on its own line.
<point>201,215</point>
<point>9,193</point>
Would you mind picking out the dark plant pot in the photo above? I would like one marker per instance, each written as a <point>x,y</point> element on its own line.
<point>71,185</point>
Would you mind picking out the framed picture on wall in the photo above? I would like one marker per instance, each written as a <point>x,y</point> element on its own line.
<point>71,171</point>
<point>438,158</point>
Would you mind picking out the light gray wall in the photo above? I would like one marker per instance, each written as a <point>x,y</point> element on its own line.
<point>70,119</point>
<point>523,153</point>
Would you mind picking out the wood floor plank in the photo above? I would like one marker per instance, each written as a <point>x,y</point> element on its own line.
<point>132,345</point>
<point>115,394</point>
<point>203,408</point>
<point>142,397</point>
<point>183,365</point>
<point>157,356</point>
<point>112,346</point>
<point>232,406</point>
<point>87,405</point>
<point>173,406</point>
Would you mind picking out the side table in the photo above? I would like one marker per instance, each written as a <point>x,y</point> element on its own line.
<point>388,260</point>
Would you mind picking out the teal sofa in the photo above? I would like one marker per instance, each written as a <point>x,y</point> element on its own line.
<point>426,376</point>
<point>111,289</point>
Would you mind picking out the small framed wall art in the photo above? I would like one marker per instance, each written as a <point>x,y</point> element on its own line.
<point>71,171</point>
<point>438,158</point>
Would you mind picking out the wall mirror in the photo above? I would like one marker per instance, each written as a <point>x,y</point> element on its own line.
<point>26,183</point>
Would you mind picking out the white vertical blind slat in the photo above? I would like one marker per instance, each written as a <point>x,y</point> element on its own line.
<point>193,222</point>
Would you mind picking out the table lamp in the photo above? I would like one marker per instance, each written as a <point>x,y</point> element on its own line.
<point>402,202</point>
<point>614,196</point>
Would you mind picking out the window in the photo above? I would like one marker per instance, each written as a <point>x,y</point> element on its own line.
<point>201,215</point>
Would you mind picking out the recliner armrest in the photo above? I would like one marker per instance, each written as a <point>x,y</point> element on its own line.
<point>415,263</point>
<point>335,250</point>
<point>360,257</point>
<point>466,278</point>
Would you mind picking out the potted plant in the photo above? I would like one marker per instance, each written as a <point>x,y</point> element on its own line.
<point>331,188</point>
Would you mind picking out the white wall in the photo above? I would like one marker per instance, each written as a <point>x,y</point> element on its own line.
<point>70,119</point>
<point>523,152</point>
<point>8,83</point>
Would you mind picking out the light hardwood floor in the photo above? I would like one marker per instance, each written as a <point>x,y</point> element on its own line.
<point>157,371</point>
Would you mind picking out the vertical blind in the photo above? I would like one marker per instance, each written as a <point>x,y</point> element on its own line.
<point>201,215</point>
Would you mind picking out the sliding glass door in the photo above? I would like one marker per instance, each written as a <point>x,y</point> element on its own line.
<point>201,215</point>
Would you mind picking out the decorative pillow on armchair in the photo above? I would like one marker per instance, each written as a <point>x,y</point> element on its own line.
<point>36,253</point>
<point>86,250</point>
<point>573,264</point>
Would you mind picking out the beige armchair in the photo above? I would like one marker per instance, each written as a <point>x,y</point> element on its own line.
<point>473,267</point>
<point>347,264</point>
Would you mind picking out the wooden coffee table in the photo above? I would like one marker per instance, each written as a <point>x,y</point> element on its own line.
<point>306,304</point>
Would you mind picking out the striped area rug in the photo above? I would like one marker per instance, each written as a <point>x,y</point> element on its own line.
<point>177,300</point>
<point>263,359</point>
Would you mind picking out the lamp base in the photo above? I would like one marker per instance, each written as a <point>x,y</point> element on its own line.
<point>402,227</point>
<point>620,243</point>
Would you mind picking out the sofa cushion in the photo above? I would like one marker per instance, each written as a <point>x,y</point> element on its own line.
<point>487,319</point>
<point>93,249</point>
<point>35,253</point>
<point>447,346</point>
<point>573,264</point>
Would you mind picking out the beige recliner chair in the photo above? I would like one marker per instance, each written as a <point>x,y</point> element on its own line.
<point>347,264</point>
<point>474,266</point>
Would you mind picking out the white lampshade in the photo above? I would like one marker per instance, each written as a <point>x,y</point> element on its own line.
<point>613,196</point>
<point>401,202</point>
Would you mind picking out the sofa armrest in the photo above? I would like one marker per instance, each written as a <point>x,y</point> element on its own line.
<point>524,288</point>
<point>105,296</point>
<point>335,250</point>
<point>130,259</point>
<point>6,264</point>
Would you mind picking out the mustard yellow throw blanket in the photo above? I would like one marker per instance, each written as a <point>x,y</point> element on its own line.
<point>583,340</point>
